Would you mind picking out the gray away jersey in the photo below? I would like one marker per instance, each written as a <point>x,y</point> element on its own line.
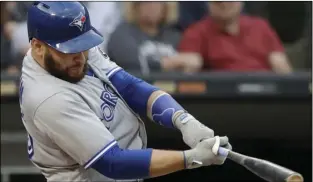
<point>69,125</point>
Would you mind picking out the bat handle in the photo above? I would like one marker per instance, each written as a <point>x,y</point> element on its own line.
<point>217,150</point>
<point>223,151</point>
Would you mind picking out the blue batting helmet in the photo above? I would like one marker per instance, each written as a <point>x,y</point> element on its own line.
<point>65,26</point>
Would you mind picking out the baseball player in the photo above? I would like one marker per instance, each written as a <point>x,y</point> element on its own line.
<point>82,112</point>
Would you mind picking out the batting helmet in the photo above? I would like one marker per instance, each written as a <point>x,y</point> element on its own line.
<point>64,26</point>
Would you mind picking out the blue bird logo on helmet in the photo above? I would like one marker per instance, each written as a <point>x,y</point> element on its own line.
<point>79,21</point>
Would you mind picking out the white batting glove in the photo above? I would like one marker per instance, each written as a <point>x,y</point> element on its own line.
<point>205,153</point>
<point>192,130</point>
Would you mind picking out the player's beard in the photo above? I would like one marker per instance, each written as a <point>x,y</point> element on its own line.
<point>53,68</point>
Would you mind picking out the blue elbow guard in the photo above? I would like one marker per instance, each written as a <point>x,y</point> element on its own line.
<point>163,109</point>
<point>134,91</point>
<point>117,163</point>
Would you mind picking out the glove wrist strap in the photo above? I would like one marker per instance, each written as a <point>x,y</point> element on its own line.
<point>190,161</point>
<point>181,118</point>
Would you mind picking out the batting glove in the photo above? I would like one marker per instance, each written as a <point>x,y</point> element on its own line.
<point>192,130</point>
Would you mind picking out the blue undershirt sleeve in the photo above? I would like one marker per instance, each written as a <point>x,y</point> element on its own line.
<point>134,91</point>
<point>118,163</point>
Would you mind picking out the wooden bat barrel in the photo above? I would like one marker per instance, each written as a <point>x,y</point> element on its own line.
<point>264,169</point>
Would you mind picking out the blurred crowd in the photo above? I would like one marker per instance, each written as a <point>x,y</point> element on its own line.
<point>188,37</point>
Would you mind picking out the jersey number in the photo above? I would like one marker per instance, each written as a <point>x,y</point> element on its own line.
<point>30,147</point>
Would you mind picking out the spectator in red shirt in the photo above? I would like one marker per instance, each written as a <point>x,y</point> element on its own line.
<point>229,41</point>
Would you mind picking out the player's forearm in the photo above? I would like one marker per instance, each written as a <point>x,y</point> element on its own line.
<point>138,164</point>
<point>166,162</point>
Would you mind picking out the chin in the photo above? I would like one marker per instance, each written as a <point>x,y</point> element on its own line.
<point>78,77</point>
<point>74,79</point>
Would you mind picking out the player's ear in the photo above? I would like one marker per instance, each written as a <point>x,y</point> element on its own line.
<point>86,54</point>
<point>38,47</point>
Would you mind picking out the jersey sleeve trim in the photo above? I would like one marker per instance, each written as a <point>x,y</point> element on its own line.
<point>99,154</point>
<point>113,71</point>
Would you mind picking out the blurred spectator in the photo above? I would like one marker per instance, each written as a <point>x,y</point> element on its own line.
<point>8,62</point>
<point>296,17</point>
<point>105,16</point>
<point>18,10</point>
<point>147,42</point>
<point>20,43</point>
<point>190,12</point>
<point>16,27</point>
<point>229,41</point>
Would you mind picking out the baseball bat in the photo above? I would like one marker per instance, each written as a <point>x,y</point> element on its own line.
<point>264,169</point>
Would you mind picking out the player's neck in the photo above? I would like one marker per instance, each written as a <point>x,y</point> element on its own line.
<point>38,59</point>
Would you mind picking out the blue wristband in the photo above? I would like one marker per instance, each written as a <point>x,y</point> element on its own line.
<point>163,109</point>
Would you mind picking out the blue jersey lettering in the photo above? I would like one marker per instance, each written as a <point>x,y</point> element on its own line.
<point>30,147</point>
<point>21,90</point>
<point>109,102</point>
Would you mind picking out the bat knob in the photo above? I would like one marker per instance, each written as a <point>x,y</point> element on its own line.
<point>296,177</point>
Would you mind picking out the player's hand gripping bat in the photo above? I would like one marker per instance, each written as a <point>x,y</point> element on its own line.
<point>264,169</point>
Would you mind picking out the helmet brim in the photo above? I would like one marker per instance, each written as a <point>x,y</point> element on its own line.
<point>81,43</point>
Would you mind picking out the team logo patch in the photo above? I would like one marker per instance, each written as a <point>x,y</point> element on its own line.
<point>79,21</point>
